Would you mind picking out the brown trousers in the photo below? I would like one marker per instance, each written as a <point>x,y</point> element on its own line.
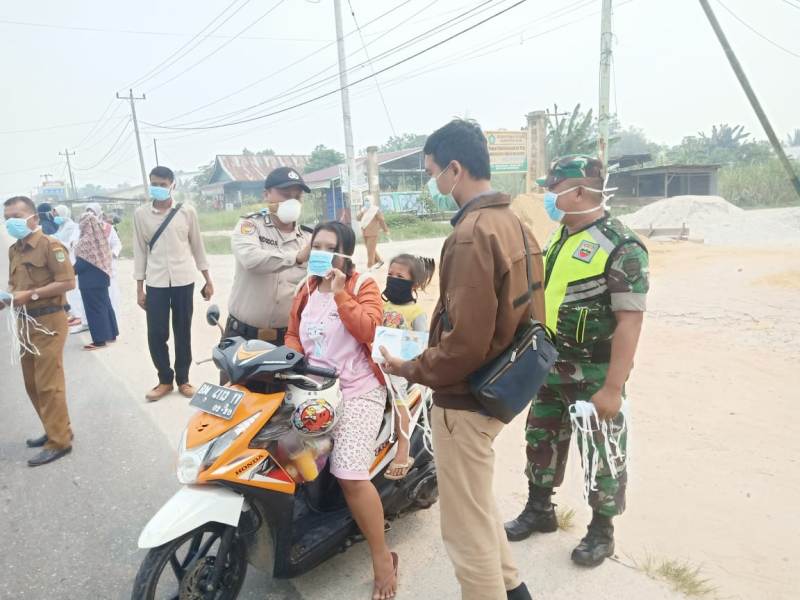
<point>472,528</point>
<point>44,379</point>
<point>371,242</point>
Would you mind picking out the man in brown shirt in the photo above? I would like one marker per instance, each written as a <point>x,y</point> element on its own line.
<point>482,272</point>
<point>164,268</point>
<point>40,275</point>
<point>371,220</point>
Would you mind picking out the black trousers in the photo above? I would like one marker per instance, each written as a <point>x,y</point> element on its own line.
<point>159,303</point>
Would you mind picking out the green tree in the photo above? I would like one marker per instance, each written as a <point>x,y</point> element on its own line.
<point>322,157</point>
<point>574,135</point>
<point>632,140</point>
<point>793,139</point>
<point>265,152</point>
<point>403,141</point>
<point>202,178</point>
<point>725,145</point>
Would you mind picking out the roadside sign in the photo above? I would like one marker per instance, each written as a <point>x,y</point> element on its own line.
<point>508,151</point>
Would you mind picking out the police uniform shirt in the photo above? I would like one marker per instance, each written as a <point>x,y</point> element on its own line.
<point>267,272</point>
<point>35,262</point>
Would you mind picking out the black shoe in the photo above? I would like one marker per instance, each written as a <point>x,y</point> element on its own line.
<point>538,515</point>
<point>36,442</point>
<point>519,593</point>
<point>48,455</point>
<point>597,545</point>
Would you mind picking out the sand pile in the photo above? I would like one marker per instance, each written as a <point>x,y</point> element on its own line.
<point>717,221</point>
<point>530,209</point>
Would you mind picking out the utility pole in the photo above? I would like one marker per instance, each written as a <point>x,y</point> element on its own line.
<point>45,177</point>
<point>132,99</point>
<point>155,147</point>
<point>67,154</point>
<point>606,37</point>
<point>751,95</point>
<point>349,150</point>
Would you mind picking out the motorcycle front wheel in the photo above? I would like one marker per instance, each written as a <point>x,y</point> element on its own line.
<point>182,569</point>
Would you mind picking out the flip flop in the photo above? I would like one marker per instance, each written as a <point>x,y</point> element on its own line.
<point>91,347</point>
<point>404,469</point>
<point>376,586</point>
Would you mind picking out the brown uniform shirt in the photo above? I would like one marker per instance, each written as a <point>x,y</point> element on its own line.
<point>35,262</point>
<point>376,224</point>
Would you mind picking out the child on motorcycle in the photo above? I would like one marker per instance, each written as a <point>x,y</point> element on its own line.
<point>333,325</point>
<point>407,275</point>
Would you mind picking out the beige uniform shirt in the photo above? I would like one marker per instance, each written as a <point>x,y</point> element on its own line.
<point>266,271</point>
<point>177,254</point>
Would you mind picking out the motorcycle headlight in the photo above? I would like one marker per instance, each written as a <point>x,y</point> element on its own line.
<point>191,462</point>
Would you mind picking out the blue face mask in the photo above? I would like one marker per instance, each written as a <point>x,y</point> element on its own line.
<point>159,194</point>
<point>18,228</point>
<point>320,262</point>
<point>551,206</point>
<point>59,221</point>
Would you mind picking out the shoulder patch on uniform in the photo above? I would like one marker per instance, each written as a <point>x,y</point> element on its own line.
<point>60,255</point>
<point>586,251</point>
<point>247,227</point>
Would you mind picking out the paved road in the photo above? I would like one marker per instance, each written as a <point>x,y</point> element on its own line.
<point>69,529</point>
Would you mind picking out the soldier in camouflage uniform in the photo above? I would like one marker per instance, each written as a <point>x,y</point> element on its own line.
<point>596,281</point>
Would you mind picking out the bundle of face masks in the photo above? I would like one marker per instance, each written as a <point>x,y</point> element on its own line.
<point>19,325</point>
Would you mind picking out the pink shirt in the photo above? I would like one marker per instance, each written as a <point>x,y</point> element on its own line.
<point>327,343</point>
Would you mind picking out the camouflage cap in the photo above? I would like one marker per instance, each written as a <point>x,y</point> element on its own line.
<point>573,166</point>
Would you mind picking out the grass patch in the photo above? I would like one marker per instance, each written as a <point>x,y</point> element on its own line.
<point>217,244</point>
<point>565,518</point>
<point>682,576</point>
<point>411,227</point>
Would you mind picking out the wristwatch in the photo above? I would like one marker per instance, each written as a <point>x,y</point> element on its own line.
<point>34,296</point>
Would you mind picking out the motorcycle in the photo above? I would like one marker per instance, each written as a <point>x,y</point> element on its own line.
<point>257,488</point>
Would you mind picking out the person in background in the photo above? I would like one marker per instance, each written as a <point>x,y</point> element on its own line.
<point>164,270</point>
<point>46,218</point>
<point>40,274</point>
<point>407,275</point>
<point>271,250</point>
<point>115,244</point>
<point>481,274</point>
<point>68,234</point>
<point>371,221</point>
<point>334,325</point>
<point>93,267</point>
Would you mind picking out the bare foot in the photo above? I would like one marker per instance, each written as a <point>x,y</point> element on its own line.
<point>385,585</point>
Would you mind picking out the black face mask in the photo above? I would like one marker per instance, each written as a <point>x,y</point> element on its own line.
<point>399,291</point>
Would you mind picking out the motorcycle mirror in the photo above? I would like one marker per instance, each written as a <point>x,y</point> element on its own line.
<point>212,315</point>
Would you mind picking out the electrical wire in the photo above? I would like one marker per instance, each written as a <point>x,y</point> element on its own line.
<point>372,68</point>
<point>29,169</point>
<point>220,47</point>
<point>758,33</point>
<point>110,150</point>
<point>792,4</point>
<point>179,53</point>
<point>383,70</point>
<point>48,128</point>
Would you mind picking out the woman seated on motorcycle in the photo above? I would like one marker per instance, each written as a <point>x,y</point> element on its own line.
<point>334,326</point>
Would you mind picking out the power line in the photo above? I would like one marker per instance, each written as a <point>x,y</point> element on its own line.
<point>48,128</point>
<point>758,33</point>
<point>383,70</point>
<point>220,47</point>
<point>310,85</point>
<point>176,56</point>
<point>792,4</point>
<point>372,68</point>
<point>113,147</point>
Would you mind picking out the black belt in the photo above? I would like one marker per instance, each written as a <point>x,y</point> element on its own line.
<point>601,354</point>
<point>253,333</point>
<point>47,310</point>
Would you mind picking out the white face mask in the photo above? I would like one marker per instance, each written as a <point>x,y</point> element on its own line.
<point>289,210</point>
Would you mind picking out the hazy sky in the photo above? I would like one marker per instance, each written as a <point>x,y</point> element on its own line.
<point>64,61</point>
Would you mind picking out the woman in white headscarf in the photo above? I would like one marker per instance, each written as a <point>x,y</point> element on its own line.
<point>68,234</point>
<point>116,249</point>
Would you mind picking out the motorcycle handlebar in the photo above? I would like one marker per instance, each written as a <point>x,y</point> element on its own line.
<point>319,371</point>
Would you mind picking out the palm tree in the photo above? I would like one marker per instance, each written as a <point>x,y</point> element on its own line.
<point>576,135</point>
<point>793,139</point>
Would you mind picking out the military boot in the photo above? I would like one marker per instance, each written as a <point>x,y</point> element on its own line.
<point>597,545</point>
<point>538,515</point>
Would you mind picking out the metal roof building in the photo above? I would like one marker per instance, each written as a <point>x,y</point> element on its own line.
<point>238,176</point>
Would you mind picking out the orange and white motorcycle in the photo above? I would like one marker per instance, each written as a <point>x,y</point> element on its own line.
<point>256,484</point>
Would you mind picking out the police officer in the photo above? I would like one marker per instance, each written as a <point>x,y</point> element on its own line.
<point>40,275</point>
<point>271,250</point>
<point>596,282</point>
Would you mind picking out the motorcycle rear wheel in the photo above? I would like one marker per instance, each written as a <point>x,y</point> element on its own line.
<point>191,559</point>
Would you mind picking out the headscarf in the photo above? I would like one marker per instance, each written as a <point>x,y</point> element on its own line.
<point>62,210</point>
<point>95,208</point>
<point>68,233</point>
<point>46,221</point>
<point>93,245</point>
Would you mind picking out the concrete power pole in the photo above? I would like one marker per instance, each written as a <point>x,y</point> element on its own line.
<point>751,95</point>
<point>373,181</point>
<point>606,37</point>
<point>155,148</point>
<point>132,99</point>
<point>349,150</point>
<point>67,154</point>
<point>537,148</point>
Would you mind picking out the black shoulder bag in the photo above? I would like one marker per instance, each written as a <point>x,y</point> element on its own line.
<point>507,384</point>
<point>163,225</point>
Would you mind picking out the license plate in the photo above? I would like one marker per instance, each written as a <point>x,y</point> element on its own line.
<point>217,400</point>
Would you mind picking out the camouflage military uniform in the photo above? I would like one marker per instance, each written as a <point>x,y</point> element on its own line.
<point>584,313</point>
